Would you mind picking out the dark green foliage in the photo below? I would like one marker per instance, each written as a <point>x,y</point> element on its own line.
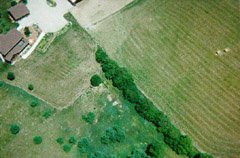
<point>67,148</point>
<point>155,150</point>
<point>10,76</point>
<point>137,153</point>
<point>14,129</point>
<point>60,140</point>
<point>27,31</point>
<point>203,155</point>
<point>123,80</point>
<point>72,140</point>
<point>84,145</point>
<point>24,1</point>
<point>34,103</point>
<point>13,3</point>
<point>37,140</point>
<point>96,80</point>
<point>30,87</point>
<point>113,134</point>
<point>47,113</point>
<point>90,117</point>
<point>100,154</point>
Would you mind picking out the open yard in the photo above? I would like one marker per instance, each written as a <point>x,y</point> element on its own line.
<point>170,47</point>
<point>62,72</point>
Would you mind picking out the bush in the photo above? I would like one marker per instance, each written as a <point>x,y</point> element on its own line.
<point>27,31</point>
<point>72,140</point>
<point>30,87</point>
<point>10,76</point>
<point>15,129</point>
<point>47,113</point>
<point>90,117</point>
<point>13,3</point>
<point>67,148</point>
<point>60,140</point>
<point>112,135</point>
<point>84,145</point>
<point>24,1</point>
<point>37,140</point>
<point>34,103</point>
<point>203,155</point>
<point>96,80</point>
<point>136,153</point>
<point>155,150</point>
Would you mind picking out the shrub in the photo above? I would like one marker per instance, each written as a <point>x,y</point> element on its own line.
<point>67,148</point>
<point>30,87</point>
<point>13,3</point>
<point>155,150</point>
<point>84,145</point>
<point>10,76</point>
<point>37,140</point>
<point>203,155</point>
<point>34,103</point>
<point>96,80</point>
<point>90,117</point>
<point>27,31</point>
<point>14,129</point>
<point>47,113</point>
<point>24,1</point>
<point>137,153</point>
<point>72,140</point>
<point>60,140</point>
<point>113,134</point>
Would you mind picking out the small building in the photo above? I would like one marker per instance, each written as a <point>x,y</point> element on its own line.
<point>12,44</point>
<point>74,2</point>
<point>18,11</point>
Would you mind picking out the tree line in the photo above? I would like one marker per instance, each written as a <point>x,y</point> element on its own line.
<point>123,80</point>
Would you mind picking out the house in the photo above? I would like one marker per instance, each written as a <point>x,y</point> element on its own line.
<point>18,11</point>
<point>12,44</point>
<point>74,2</point>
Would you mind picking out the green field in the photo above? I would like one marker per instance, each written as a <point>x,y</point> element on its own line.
<point>170,48</point>
<point>61,73</point>
<point>61,79</point>
<point>5,23</point>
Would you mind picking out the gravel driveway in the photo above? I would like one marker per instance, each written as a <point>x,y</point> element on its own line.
<point>49,19</point>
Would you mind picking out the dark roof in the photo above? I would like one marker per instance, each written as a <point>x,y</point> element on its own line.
<point>9,40</point>
<point>11,44</point>
<point>18,11</point>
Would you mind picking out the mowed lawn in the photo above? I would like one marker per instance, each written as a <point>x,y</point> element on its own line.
<point>63,72</point>
<point>169,46</point>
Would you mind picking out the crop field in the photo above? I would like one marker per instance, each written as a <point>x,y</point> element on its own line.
<point>170,47</point>
<point>61,73</point>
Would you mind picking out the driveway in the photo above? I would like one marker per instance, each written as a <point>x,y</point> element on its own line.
<point>49,19</point>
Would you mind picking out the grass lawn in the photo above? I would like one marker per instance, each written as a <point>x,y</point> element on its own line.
<point>61,73</point>
<point>5,23</point>
<point>170,46</point>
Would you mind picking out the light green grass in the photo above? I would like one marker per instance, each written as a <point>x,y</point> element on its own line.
<point>169,46</point>
<point>61,73</point>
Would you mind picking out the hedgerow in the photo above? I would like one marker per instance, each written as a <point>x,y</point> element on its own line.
<point>123,80</point>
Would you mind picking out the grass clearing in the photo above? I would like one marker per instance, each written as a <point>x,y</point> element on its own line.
<point>63,72</point>
<point>170,47</point>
